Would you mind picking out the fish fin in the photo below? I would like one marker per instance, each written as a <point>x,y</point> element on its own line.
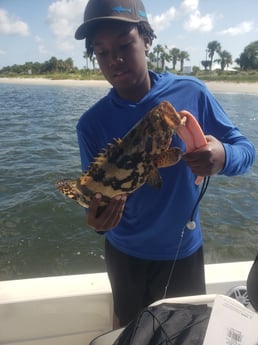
<point>67,186</point>
<point>99,160</point>
<point>169,157</point>
<point>70,189</point>
<point>117,141</point>
<point>154,179</point>
<point>110,146</point>
<point>192,135</point>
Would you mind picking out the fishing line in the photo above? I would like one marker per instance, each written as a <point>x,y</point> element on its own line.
<point>190,225</point>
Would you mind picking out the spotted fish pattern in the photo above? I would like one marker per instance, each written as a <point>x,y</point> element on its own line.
<point>128,163</point>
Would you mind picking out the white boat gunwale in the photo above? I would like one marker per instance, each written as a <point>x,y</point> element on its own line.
<point>75,309</point>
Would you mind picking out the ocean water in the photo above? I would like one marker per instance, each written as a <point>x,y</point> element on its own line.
<point>43,233</point>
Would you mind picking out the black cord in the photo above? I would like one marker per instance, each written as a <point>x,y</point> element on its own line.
<point>155,318</point>
<point>170,338</point>
<point>205,184</point>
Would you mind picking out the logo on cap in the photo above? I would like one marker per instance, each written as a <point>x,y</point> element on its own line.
<point>121,9</point>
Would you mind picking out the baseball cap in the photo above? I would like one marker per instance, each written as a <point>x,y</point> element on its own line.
<point>252,284</point>
<point>131,11</point>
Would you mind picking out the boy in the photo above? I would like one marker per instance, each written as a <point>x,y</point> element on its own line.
<point>150,252</point>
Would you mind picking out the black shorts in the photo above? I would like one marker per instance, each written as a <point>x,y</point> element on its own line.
<point>136,283</point>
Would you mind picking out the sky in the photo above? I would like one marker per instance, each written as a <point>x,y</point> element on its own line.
<point>33,30</point>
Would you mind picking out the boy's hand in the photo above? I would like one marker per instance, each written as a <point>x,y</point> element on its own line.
<point>108,217</point>
<point>208,160</point>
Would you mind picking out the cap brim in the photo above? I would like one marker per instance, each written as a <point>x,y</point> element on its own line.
<point>81,32</point>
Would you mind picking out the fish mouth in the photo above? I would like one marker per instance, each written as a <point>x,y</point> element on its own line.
<point>173,121</point>
<point>171,116</point>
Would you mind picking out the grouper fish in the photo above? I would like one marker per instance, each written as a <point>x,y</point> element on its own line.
<point>128,163</point>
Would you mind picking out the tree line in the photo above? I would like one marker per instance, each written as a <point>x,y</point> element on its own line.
<point>52,65</point>
<point>248,59</point>
<point>157,58</point>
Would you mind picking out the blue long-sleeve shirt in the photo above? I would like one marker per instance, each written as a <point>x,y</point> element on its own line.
<point>153,220</point>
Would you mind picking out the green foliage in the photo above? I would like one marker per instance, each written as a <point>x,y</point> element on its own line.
<point>157,58</point>
<point>225,59</point>
<point>206,64</point>
<point>31,68</point>
<point>159,55</point>
<point>212,48</point>
<point>237,76</point>
<point>249,58</point>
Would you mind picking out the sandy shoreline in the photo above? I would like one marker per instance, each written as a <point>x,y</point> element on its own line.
<point>45,81</point>
<point>214,86</point>
<point>231,87</point>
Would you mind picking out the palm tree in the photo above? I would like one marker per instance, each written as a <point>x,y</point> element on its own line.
<point>183,55</point>
<point>151,60</point>
<point>86,57</point>
<point>53,64</point>
<point>206,64</point>
<point>69,64</point>
<point>174,56</point>
<point>93,60</point>
<point>157,50</point>
<point>60,66</point>
<point>161,56</point>
<point>225,59</point>
<point>213,47</point>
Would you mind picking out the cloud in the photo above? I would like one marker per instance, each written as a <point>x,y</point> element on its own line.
<point>197,22</point>
<point>190,5</point>
<point>10,25</point>
<point>64,16</point>
<point>163,20</point>
<point>240,29</point>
